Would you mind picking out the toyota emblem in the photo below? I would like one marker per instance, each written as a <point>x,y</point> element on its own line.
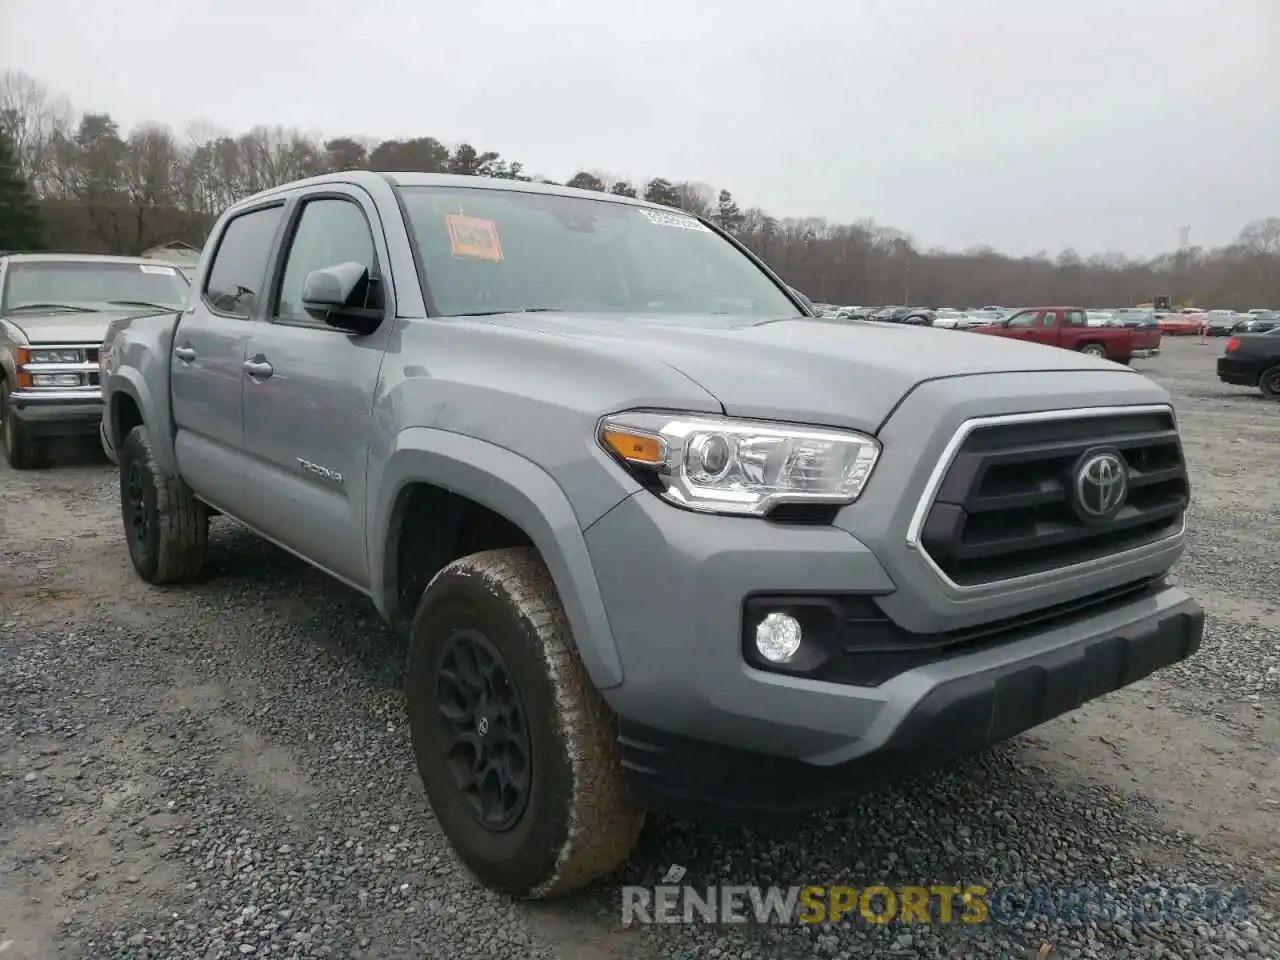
<point>1101,485</point>
<point>483,726</point>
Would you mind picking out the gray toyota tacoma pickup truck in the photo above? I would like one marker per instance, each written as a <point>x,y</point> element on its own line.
<point>659,539</point>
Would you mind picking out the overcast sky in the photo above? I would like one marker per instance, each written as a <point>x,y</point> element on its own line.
<point>1096,124</point>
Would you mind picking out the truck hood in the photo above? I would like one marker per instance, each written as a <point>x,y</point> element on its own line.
<point>68,328</point>
<point>804,369</point>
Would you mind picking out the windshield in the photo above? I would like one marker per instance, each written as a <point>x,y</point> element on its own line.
<point>91,283</point>
<point>501,251</point>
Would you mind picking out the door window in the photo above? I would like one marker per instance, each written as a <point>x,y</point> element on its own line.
<point>329,232</point>
<point>240,262</point>
<point>1075,318</point>
<point>1025,320</point>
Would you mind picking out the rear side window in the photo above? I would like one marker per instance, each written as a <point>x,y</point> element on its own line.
<point>1075,318</point>
<point>240,262</point>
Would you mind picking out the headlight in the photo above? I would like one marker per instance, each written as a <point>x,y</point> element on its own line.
<point>746,467</point>
<point>60,355</point>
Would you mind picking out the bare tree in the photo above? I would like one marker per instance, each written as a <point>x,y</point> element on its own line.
<point>33,118</point>
<point>152,176</point>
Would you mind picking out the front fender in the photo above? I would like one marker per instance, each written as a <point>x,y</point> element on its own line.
<point>515,488</point>
<point>136,364</point>
<point>127,381</point>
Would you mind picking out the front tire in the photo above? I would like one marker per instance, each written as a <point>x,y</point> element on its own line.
<point>517,750</point>
<point>21,450</point>
<point>166,527</point>
<point>1269,383</point>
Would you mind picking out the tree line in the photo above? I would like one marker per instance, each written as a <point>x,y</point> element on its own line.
<point>99,188</point>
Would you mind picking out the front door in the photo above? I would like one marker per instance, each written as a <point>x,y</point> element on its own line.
<point>308,396</point>
<point>208,354</point>
<point>1024,325</point>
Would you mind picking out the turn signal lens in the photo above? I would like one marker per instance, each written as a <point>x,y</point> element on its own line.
<point>636,447</point>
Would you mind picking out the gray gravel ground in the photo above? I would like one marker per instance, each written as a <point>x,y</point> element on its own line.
<point>223,770</point>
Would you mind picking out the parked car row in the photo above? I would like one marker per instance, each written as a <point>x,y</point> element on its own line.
<point>1185,321</point>
<point>1251,358</point>
<point>54,313</point>
<point>947,317</point>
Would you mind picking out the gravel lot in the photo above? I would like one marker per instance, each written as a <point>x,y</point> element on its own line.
<point>224,769</point>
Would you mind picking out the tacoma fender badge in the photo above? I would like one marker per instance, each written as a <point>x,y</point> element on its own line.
<point>324,473</point>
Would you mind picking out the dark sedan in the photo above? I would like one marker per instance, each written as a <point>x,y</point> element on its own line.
<point>1253,360</point>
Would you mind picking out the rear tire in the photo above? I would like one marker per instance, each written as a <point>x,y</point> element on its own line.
<point>1093,350</point>
<point>534,829</point>
<point>166,527</point>
<point>21,449</point>
<point>1269,383</point>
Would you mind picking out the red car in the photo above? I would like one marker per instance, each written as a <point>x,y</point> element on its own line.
<point>1067,327</point>
<point>1181,324</point>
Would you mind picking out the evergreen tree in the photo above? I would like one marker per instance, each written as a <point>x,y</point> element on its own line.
<point>21,227</point>
<point>659,190</point>
<point>728,216</point>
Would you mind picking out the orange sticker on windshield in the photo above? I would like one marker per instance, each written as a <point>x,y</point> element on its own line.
<point>473,238</point>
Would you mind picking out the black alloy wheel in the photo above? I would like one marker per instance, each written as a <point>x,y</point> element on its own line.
<point>1269,383</point>
<point>137,510</point>
<point>484,729</point>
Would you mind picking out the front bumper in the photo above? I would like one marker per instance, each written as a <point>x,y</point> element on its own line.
<point>705,732</point>
<point>927,718</point>
<point>58,413</point>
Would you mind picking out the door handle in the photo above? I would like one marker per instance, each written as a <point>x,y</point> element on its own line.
<point>258,369</point>
<point>184,353</point>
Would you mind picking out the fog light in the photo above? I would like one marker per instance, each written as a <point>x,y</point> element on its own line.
<point>778,637</point>
<point>55,379</point>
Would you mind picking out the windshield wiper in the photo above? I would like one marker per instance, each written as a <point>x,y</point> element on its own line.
<point>498,313</point>
<point>52,306</point>
<point>143,303</point>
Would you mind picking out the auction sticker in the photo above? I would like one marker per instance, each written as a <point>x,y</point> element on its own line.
<point>162,271</point>
<point>664,219</point>
<point>473,238</point>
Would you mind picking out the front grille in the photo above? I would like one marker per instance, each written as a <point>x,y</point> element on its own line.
<point>1006,507</point>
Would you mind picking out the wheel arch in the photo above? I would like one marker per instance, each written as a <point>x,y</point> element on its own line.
<point>130,404</point>
<point>509,487</point>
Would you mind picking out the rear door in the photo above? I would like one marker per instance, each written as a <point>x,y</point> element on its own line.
<point>209,351</point>
<point>309,388</point>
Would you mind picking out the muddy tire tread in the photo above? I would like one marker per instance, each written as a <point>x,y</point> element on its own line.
<point>604,820</point>
<point>183,519</point>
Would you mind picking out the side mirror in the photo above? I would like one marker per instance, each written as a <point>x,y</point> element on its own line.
<point>339,295</point>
